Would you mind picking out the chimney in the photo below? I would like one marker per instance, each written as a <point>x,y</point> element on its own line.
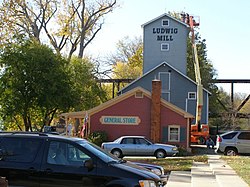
<point>156,111</point>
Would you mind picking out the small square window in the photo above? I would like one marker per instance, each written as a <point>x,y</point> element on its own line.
<point>138,94</point>
<point>191,95</point>
<point>165,47</point>
<point>165,22</point>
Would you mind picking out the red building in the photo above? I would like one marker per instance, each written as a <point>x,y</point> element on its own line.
<point>138,112</point>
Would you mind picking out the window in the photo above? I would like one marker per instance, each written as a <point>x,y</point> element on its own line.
<point>244,136</point>
<point>20,150</point>
<point>191,95</point>
<point>141,141</point>
<point>61,153</point>
<point>139,94</point>
<point>230,135</point>
<point>174,133</point>
<point>165,47</point>
<point>165,22</point>
<point>127,141</point>
<point>165,79</point>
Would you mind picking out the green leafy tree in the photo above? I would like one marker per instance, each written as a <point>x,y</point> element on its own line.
<point>35,84</point>
<point>89,92</point>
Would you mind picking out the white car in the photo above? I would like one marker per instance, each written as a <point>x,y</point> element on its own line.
<point>138,146</point>
<point>233,143</point>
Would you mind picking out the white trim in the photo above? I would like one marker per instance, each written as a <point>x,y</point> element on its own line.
<point>168,16</point>
<point>192,93</point>
<point>178,136</point>
<point>163,48</point>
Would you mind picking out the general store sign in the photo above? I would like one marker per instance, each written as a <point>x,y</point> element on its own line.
<point>120,120</point>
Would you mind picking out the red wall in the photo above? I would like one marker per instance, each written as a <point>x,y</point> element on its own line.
<point>140,107</point>
<point>129,107</point>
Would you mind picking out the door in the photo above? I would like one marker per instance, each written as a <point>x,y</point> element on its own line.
<point>20,160</point>
<point>64,166</point>
<point>243,142</point>
<point>128,146</point>
<point>143,147</point>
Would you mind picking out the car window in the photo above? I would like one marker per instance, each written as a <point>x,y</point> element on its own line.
<point>62,153</point>
<point>20,149</point>
<point>141,141</point>
<point>244,136</point>
<point>127,141</point>
<point>229,136</point>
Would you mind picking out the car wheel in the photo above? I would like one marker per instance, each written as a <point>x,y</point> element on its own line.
<point>231,151</point>
<point>201,141</point>
<point>117,153</point>
<point>160,154</point>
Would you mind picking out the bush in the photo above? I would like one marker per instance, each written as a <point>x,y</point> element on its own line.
<point>183,152</point>
<point>98,137</point>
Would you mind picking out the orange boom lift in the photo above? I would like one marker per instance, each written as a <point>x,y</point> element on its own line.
<point>199,132</point>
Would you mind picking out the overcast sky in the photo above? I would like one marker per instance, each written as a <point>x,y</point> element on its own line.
<point>224,24</point>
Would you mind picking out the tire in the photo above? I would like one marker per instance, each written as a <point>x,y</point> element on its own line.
<point>160,154</point>
<point>201,140</point>
<point>117,153</point>
<point>231,151</point>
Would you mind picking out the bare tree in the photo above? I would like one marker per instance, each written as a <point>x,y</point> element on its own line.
<point>70,24</point>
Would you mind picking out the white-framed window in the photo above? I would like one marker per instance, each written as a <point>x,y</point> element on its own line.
<point>165,22</point>
<point>165,81</point>
<point>192,95</point>
<point>174,133</point>
<point>138,94</point>
<point>165,47</point>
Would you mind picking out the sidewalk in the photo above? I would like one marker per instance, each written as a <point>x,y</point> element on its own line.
<point>216,173</point>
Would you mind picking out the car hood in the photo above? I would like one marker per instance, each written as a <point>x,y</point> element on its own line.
<point>136,169</point>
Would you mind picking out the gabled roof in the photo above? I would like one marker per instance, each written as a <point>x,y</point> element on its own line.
<point>145,93</point>
<point>165,14</point>
<point>162,64</point>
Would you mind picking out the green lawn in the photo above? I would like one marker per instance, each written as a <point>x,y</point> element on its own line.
<point>241,165</point>
<point>173,163</point>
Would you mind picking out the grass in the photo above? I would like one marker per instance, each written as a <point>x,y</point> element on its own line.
<point>241,165</point>
<point>173,163</point>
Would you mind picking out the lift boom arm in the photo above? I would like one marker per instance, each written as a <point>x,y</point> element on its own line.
<point>199,103</point>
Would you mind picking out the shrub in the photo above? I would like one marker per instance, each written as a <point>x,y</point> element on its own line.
<point>98,137</point>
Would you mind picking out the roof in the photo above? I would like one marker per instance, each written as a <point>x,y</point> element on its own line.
<point>79,114</point>
<point>145,93</point>
<point>169,16</point>
<point>161,64</point>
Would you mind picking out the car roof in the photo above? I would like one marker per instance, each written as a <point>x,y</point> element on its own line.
<point>38,134</point>
<point>130,136</point>
<point>228,132</point>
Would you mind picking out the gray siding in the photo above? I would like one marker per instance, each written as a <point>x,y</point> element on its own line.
<point>180,86</point>
<point>175,35</point>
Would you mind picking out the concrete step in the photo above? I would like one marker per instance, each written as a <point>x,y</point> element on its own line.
<point>225,175</point>
<point>202,175</point>
<point>179,179</point>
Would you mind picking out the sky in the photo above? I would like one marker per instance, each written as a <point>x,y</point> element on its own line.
<point>225,24</point>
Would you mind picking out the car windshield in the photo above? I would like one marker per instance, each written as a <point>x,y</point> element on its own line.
<point>103,155</point>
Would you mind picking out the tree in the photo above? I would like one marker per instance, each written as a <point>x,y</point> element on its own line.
<point>70,24</point>
<point>34,84</point>
<point>89,91</point>
<point>128,59</point>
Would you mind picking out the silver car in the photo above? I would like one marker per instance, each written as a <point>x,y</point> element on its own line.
<point>138,146</point>
<point>233,143</point>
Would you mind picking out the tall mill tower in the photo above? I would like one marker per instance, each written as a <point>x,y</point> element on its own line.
<point>165,40</point>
